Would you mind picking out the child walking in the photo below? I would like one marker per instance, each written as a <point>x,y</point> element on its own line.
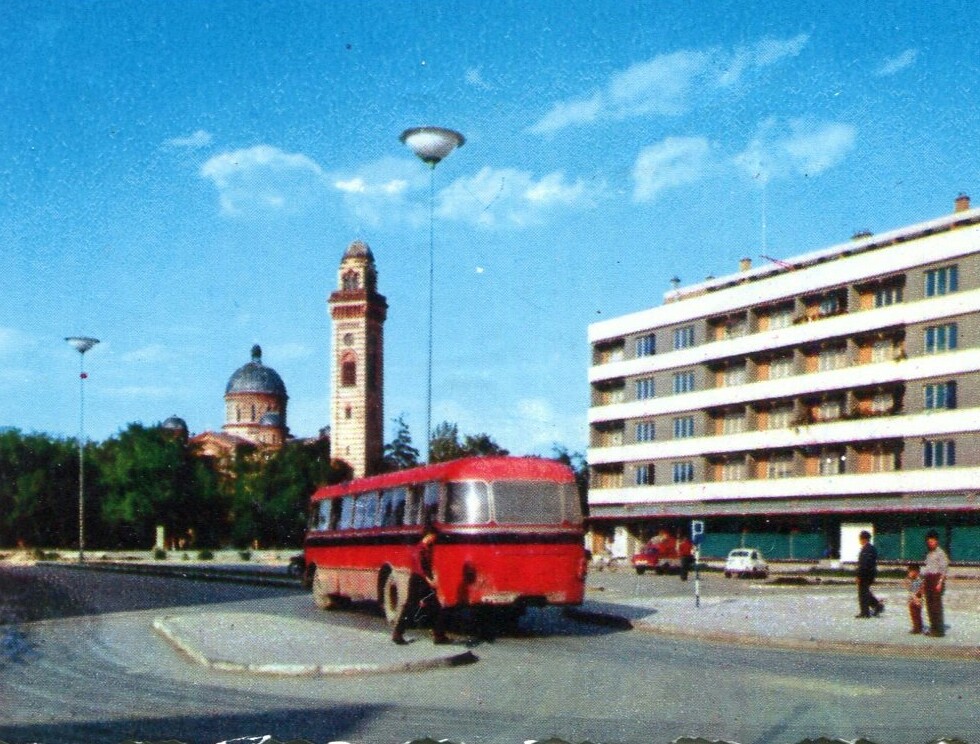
<point>914,583</point>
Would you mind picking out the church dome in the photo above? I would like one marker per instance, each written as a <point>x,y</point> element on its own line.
<point>174,423</point>
<point>255,377</point>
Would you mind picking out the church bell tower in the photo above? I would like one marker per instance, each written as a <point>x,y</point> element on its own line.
<point>358,314</point>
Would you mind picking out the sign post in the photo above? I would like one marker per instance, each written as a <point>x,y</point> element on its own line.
<point>697,535</point>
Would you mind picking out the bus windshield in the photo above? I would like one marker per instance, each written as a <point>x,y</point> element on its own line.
<point>513,502</point>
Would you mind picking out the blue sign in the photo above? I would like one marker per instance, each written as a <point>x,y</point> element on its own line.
<point>697,531</point>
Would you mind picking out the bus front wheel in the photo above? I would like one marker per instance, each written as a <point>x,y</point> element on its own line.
<point>394,594</point>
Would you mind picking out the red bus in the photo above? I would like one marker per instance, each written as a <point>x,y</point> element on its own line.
<point>509,535</point>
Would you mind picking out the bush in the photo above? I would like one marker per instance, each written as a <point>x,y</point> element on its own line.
<point>159,554</point>
<point>185,557</point>
<point>205,555</point>
<point>245,554</point>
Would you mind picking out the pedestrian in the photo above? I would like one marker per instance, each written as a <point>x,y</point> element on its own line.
<point>685,549</point>
<point>422,592</point>
<point>914,582</point>
<point>934,583</point>
<point>867,570</point>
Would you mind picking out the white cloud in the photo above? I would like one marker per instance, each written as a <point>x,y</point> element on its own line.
<point>288,351</point>
<point>808,149</point>
<point>508,197</point>
<point>893,65</point>
<point>13,340</point>
<point>669,84</point>
<point>676,161</point>
<point>379,191</point>
<point>263,179</point>
<point>194,141</point>
<point>474,77</point>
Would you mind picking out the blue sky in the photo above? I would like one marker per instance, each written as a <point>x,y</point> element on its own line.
<point>180,180</point>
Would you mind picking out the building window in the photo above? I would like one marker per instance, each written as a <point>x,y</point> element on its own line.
<point>882,403</point>
<point>683,472</point>
<point>683,382</point>
<point>645,388</point>
<point>885,296</point>
<point>942,281</point>
<point>832,462</point>
<point>781,417</point>
<point>683,427</point>
<point>733,423</point>
<point>735,375</point>
<point>939,453</point>
<point>733,470</point>
<point>348,374</point>
<point>646,345</point>
<point>832,358</point>
<point>736,328</point>
<point>882,461</point>
<point>830,305</point>
<point>645,431</point>
<point>829,410</point>
<point>782,318</point>
<point>351,281</point>
<point>882,350</point>
<point>644,475</point>
<point>781,367</point>
<point>610,437</point>
<point>940,395</point>
<point>683,337</point>
<point>941,338</point>
<point>780,466</point>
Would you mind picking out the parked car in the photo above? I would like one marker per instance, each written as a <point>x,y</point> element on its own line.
<point>746,562</point>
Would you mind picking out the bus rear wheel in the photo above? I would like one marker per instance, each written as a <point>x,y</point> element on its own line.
<point>322,598</point>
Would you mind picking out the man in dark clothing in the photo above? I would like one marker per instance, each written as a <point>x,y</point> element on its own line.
<point>422,593</point>
<point>685,549</point>
<point>867,571</point>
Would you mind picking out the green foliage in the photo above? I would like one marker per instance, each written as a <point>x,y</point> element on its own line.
<point>399,454</point>
<point>445,444</point>
<point>245,555</point>
<point>205,555</point>
<point>159,554</point>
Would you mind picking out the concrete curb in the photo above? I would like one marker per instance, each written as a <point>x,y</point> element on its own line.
<point>812,644</point>
<point>195,573</point>
<point>306,670</point>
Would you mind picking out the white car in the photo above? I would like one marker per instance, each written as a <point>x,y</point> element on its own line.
<point>746,562</point>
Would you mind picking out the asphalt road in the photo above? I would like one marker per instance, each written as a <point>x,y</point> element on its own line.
<point>96,673</point>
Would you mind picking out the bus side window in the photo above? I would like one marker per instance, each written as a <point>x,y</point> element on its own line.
<point>346,513</point>
<point>430,503</point>
<point>398,498</point>
<point>323,515</point>
<point>386,515</point>
<point>365,509</point>
<point>334,514</point>
<point>413,507</point>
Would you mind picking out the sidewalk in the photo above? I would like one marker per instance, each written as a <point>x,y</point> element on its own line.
<point>806,618</point>
<point>288,647</point>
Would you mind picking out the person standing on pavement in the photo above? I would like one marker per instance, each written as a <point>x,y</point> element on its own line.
<point>422,592</point>
<point>934,583</point>
<point>913,583</point>
<point>867,570</point>
<point>685,550</point>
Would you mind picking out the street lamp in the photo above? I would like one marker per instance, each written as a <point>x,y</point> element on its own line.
<point>431,145</point>
<point>81,344</point>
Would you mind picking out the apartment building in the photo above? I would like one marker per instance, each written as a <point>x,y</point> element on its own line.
<point>791,403</point>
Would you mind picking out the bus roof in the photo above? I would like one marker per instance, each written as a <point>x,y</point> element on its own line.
<point>482,468</point>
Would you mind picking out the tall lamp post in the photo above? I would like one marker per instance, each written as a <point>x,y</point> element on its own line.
<point>431,145</point>
<point>81,344</point>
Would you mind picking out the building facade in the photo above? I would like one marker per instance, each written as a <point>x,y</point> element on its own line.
<point>788,404</point>
<point>358,314</point>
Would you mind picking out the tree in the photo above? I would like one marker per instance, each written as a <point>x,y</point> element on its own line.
<point>444,443</point>
<point>576,461</point>
<point>399,454</point>
<point>483,446</point>
<point>148,477</point>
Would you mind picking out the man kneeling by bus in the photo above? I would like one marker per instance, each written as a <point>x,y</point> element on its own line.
<point>422,593</point>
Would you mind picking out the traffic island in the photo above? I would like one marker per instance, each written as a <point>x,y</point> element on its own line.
<point>272,645</point>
